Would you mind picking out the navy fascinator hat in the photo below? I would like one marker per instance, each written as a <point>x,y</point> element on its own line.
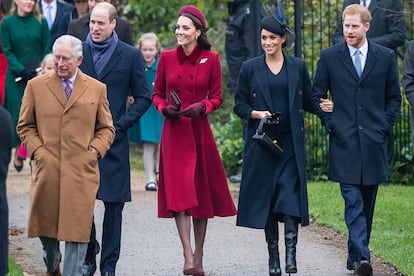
<point>270,24</point>
<point>276,23</point>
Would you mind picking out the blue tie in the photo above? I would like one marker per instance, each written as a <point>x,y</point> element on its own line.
<point>49,16</point>
<point>357,62</point>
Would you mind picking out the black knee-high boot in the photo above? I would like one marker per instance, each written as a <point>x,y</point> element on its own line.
<point>291,238</point>
<point>272,239</point>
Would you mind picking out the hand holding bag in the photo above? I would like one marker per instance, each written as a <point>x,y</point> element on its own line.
<point>267,143</point>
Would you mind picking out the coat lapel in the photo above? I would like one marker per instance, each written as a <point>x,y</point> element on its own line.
<point>345,58</point>
<point>56,88</point>
<point>260,74</point>
<point>292,74</point>
<point>114,60</point>
<point>59,14</point>
<point>372,59</point>
<point>373,6</point>
<point>79,88</point>
<point>88,61</point>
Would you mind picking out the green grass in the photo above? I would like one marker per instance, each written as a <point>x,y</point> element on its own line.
<point>392,236</point>
<point>14,270</point>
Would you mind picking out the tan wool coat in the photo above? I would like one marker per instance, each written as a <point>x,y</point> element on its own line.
<point>57,134</point>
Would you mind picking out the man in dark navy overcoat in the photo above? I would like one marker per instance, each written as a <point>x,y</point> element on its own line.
<point>365,108</point>
<point>121,67</point>
<point>5,152</point>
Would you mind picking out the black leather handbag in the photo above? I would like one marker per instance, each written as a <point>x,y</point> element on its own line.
<point>266,142</point>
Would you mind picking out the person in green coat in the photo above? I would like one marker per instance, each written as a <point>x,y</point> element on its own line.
<point>25,40</point>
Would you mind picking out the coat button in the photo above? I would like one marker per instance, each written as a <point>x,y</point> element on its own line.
<point>360,127</point>
<point>254,94</point>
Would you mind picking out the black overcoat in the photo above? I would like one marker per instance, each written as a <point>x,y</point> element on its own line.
<point>124,75</point>
<point>364,113</point>
<point>5,152</point>
<point>258,166</point>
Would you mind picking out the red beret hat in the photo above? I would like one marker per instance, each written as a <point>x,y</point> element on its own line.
<point>193,10</point>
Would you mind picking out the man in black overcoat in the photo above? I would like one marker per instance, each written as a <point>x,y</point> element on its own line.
<point>387,29</point>
<point>362,78</point>
<point>121,67</point>
<point>5,152</point>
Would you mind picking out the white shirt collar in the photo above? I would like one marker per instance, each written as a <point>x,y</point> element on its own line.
<point>54,8</point>
<point>367,2</point>
<point>72,79</point>
<point>363,49</point>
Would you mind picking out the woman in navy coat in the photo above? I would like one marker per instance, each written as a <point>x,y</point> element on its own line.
<point>273,189</point>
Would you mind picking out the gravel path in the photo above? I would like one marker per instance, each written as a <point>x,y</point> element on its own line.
<point>150,246</point>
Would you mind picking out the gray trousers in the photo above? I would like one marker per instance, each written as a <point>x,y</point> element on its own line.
<point>75,253</point>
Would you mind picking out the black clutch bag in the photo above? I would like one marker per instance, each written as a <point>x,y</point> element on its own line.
<point>176,99</point>
<point>267,143</point>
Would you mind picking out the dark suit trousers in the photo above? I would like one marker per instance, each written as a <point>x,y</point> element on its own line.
<point>4,228</point>
<point>359,212</point>
<point>111,236</point>
<point>5,152</point>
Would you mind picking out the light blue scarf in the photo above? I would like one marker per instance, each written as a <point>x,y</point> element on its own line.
<point>102,52</point>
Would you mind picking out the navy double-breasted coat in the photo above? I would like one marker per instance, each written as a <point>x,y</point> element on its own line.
<point>253,93</point>
<point>364,113</point>
<point>124,75</point>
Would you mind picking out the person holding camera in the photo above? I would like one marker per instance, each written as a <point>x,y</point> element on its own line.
<point>274,87</point>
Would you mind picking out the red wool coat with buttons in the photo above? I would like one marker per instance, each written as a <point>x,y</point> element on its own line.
<point>191,174</point>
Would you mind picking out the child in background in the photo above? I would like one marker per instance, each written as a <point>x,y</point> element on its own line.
<point>47,64</point>
<point>148,128</point>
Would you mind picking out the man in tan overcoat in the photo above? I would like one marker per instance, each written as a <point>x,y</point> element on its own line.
<point>66,125</point>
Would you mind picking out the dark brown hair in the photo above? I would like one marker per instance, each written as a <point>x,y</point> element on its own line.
<point>202,40</point>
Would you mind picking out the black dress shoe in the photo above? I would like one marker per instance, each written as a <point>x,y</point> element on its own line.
<point>89,266</point>
<point>18,167</point>
<point>88,269</point>
<point>350,264</point>
<point>364,268</point>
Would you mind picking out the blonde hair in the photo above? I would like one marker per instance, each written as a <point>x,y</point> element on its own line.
<point>154,38</point>
<point>35,11</point>
<point>48,59</point>
<point>357,9</point>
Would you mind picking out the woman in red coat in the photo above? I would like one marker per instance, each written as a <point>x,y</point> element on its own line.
<point>192,181</point>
